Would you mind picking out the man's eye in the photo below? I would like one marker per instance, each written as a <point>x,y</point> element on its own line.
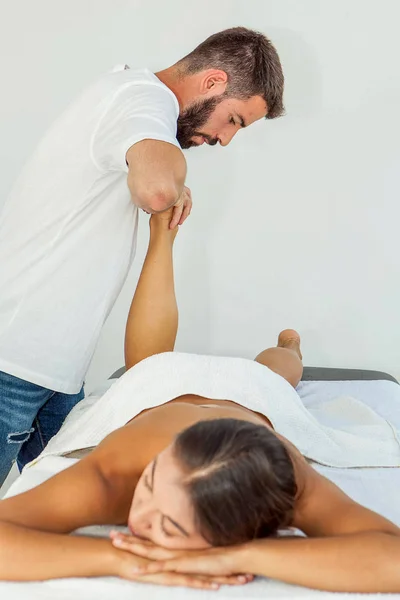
<point>147,483</point>
<point>232,120</point>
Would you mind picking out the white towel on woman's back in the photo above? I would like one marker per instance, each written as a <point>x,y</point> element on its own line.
<point>341,433</point>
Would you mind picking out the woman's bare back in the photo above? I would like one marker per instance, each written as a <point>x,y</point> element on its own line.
<point>124,454</point>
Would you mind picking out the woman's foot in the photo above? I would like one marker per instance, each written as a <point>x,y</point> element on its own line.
<point>160,225</point>
<point>290,339</point>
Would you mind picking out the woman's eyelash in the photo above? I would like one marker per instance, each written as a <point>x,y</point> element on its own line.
<point>232,120</point>
<point>164,531</point>
<point>147,484</point>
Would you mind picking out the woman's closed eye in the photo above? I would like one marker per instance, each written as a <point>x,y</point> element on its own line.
<point>165,532</point>
<point>147,484</point>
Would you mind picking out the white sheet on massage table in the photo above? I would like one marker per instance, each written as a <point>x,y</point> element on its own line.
<point>378,489</point>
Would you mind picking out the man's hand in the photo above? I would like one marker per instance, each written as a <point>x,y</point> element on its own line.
<point>182,208</point>
<point>214,565</point>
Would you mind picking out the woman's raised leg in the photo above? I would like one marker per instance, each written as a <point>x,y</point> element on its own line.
<point>152,322</point>
<point>284,359</point>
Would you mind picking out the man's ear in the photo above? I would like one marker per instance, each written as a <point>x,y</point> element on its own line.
<point>213,82</point>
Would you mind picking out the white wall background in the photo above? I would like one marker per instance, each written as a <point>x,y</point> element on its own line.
<point>296,224</point>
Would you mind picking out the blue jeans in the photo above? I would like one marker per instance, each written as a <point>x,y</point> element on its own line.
<point>29,417</point>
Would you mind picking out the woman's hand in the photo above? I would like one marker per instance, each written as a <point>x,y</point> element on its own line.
<point>218,564</point>
<point>172,579</point>
<point>133,567</point>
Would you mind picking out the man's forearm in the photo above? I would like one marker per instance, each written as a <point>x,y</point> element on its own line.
<point>30,555</point>
<point>157,173</point>
<point>365,562</point>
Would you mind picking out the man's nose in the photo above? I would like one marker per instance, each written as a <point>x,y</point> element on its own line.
<point>225,138</point>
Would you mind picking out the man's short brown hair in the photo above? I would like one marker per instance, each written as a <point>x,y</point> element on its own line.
<point>250,61</point>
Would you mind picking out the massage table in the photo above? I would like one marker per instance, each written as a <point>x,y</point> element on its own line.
<point>378,489</point>
<point>323,374</point>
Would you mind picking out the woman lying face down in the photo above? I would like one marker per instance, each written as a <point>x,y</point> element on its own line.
<point>221,482</point>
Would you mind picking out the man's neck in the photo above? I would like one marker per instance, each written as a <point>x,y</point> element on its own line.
<point>179,85</point>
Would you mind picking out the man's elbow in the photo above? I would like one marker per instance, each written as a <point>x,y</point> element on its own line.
<point>156,200</point>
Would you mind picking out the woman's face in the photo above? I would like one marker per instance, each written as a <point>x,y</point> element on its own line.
<point>161,509</point>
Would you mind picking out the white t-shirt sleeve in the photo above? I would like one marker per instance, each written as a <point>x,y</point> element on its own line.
<point>138,111</point>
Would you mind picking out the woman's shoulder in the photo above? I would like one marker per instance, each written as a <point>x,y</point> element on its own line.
<point>303,472</point>
<point>131,447</point>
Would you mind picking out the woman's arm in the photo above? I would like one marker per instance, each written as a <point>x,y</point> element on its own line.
<point>34,524</point>
<point>352,549</point>
<point>349,548</point>
<point>31,555</point>
<point>153,317</point>
<point>363,562</point>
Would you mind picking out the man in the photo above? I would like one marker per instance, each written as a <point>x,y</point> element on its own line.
<point>68,229</point>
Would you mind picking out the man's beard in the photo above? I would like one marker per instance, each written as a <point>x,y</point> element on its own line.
<point>194,117</point>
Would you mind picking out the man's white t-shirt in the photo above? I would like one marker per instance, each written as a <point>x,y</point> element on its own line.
<point>68,229</point>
